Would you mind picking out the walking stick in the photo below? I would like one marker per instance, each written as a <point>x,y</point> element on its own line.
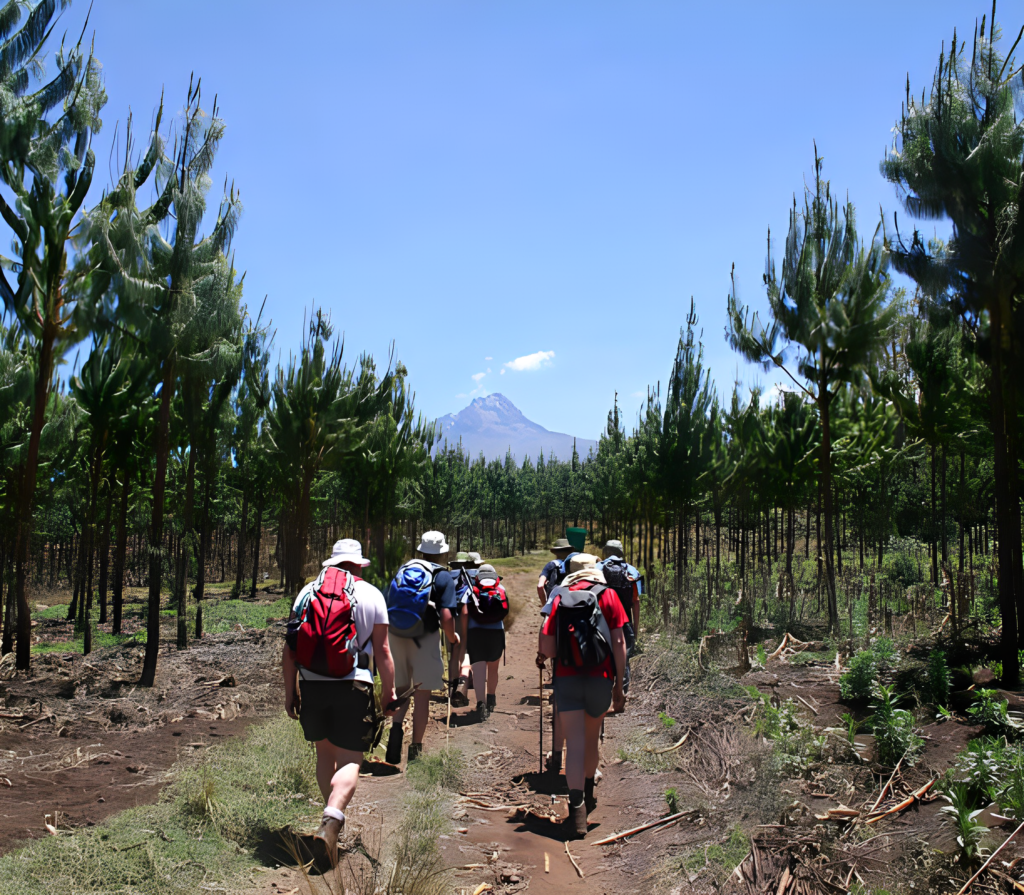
<point>540,672</point>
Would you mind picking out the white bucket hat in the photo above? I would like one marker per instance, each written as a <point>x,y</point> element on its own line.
<point>347,550</point>
<point>432,543</point>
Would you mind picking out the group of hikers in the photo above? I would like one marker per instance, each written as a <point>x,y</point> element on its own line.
<point>342,629</point>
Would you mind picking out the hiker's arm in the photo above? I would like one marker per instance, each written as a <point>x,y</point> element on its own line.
<point>291,696</point>
<point>546,645</point>
<point>542,594</point>
<point>448,625</point>
<point>619,653</point>
<point>385,666</point>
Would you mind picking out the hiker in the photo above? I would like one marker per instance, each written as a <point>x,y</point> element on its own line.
<point>334,701</point>
<point>485,606</point>
<point>626,581</point>
<point>555,570</point>
<point>583,634</point>
<point>421,601</point>
<point>458,658</point>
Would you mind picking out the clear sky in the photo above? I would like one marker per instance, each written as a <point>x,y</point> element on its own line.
<point>529,191</point>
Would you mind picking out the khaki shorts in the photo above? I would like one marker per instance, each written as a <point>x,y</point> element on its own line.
<point>417,664</point>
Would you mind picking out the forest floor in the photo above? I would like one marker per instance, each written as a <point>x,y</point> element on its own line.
<point>80,742</point>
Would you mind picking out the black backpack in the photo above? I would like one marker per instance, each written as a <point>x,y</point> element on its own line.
<point>560,571</point>
<point>616,574</point>
<point>582,637</point>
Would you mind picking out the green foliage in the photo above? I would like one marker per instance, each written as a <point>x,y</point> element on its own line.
<point>963,817</point>
<point>992,711</point>
<point>852,725</point>
<point>899,568</point>
<point>797,744</point>
<point>895,736</point>
<point>672,800</point>
<point>666,720</point>
<point>938,678</point>
<point>857,684</point>
<point>719,860</point>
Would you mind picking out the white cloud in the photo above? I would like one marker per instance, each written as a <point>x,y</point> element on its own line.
<point>477,377</point>
<point>531,361</point>
<point>462,395</point>
<point>502,371</point>
<point>488,358</point>
<point>488,369</point>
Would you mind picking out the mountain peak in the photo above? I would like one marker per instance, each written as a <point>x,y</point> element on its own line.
<point>493,425</point>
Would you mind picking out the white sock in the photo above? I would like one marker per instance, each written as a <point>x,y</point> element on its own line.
<point>336,813</point>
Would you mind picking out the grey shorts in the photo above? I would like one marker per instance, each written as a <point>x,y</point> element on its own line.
<point>581,692</point>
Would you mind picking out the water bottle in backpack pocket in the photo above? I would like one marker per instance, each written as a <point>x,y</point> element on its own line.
<point>323,633</point>
<point>411,609</point>
<point>583,639</point>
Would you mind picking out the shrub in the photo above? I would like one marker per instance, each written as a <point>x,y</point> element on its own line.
<point>857,684</point>
<point>443,769</point>
<point>994,713</point>
<point>672,800</point>
<point>938,678</point>
<point>961,813</point>
<point>900,569</point>
<point>895,737</point>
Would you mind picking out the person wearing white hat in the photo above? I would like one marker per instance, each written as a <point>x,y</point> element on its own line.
<point>338,714</point>
<point>414,637</point>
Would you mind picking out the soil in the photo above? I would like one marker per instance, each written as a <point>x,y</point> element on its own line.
<point>89,743</point>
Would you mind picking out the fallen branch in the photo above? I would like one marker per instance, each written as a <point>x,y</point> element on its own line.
<point>574,864</point>
<point>774,654</point>
<point>36,721</point>
<point>806,703</point>
<point>885,789</point>
<point>671,748</point>
<point>907,802</point>
<point>640,829</point>
<point>991,857</point>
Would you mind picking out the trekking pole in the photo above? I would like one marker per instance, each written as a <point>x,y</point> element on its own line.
<point>540,671</point>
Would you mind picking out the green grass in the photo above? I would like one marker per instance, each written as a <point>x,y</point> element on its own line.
<point>443,770</point>
<point>721,859</point>
<point>199,836</point>
<point>218,616</point>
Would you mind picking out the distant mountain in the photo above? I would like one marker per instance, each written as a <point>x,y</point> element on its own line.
<point>494,424</point>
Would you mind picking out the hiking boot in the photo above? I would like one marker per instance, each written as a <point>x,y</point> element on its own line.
<point>393,755</point>
<point>589,799</point>
<point>492,701</point>
<point>482,711</point>
<point>325,839</point>
<point>576,823</point>
<point>459,698</point>
<point>415,751</point>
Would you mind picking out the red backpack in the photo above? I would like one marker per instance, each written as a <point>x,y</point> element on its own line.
<point>488,602</point>
<point>325,633</point>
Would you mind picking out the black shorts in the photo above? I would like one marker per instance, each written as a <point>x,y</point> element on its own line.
<point>341,712</point>
<point>485,645</point>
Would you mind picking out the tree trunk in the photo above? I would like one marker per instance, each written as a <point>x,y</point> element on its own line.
<point>156,527</point>
<point>825,412</point>
<point>186,549</point>
<point>204,537</point>
<point>120,553</point>
<point>105,559</point>
<point>256,547</point>
<point>240,557</point>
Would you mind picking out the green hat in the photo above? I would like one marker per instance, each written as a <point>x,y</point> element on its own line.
<point>562,544</point>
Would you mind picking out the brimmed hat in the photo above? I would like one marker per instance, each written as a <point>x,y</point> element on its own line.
<point>613,548</point>
<point>583,575</point>
<point>461,559</point>
<point>432,543</point>
<point>347,550</point>
<point>560,545</point>
<point>487,572</point>
<point>475,558</point>
<point>582,561</point>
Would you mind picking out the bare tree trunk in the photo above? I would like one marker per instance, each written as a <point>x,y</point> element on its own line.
<point>120,555</point>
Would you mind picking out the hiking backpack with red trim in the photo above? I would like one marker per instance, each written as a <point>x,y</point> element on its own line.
<point>488,602</point>
<point>325,638</point>
<point>583,639</point>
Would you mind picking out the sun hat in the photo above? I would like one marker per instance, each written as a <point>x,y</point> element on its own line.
<point>613,548</point>
<point>461,559</point>
<point>487,572</point>
<point>475,559</point>
<point>347,550</point>
<point>583,575</point>
<point>432,543</point>
<point>560,545</point>
<point>582,561</point>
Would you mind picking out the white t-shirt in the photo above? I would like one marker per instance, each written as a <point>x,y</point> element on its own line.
<point>369,609</point>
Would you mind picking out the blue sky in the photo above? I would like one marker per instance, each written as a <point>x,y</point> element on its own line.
<point>528,191</point>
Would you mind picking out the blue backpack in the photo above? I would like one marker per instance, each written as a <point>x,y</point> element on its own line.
<point>411,611</point>
<point>561,570</point>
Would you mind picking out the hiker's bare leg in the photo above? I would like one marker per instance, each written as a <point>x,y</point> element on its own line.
<point>420,715</point>
<point>337,773</point>
<point>558,743</point>
<point>479,679</point>
<point>574,728</point>
<point>492,677</point>
<point>592,739</point>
